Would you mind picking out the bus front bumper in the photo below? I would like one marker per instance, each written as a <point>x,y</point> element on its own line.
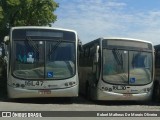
<point>105,95</point>
<point>26,93</point>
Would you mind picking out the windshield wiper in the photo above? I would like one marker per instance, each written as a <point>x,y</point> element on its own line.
<point>55,47</point>
<point>118,57</point>
<point>31,43</point>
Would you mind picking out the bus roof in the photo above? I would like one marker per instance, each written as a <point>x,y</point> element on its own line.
<point>117,38</point>
<point>42,27</point>
<point>131,39</point>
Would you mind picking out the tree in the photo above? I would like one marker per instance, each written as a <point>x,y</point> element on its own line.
<point>25,13</point>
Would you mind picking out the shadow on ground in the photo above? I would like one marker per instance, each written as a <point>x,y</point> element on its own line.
<point>78,100</point>
<point>123,103</point>
<point>3,89</point>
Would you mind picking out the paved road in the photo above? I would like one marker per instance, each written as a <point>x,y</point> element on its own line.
<point>76,104</point>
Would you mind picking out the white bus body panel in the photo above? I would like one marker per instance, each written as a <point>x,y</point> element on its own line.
<point>25,93</point>
<point>57,88</point>
<point>141,95</point>
<point>104,95</point>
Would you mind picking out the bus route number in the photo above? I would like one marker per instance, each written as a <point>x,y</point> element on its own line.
<point>119,88</point>
<point>34,83</point>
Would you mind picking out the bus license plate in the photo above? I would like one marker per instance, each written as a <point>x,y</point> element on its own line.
<point>33,83</point>
<point>43,92</point>
<point>127,95</point>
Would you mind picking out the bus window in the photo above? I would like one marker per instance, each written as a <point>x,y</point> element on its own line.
<point>138,60</point>
<point>114,66</point>
<point>28,60</point>
<point>140,67</point>
<point>60,61</point>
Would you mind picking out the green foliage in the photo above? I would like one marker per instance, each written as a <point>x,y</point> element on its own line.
<point>1,11</point>
<point>26,13</point>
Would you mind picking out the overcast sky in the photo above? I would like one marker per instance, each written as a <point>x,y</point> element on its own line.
<point>110,18</point>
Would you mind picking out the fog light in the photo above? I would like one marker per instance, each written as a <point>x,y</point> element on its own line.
<point>13,84</point>
<point>145,90</point>
<point>110,89</point>
<point>17,85</point>
<point>106,88</point>
<point>22,85</point>
<point>66,84</point>
<point>70,83</point>
<point>148,89</point>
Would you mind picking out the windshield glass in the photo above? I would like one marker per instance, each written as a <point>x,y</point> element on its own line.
<point>117,71</point>
<point>140,67</point>
<point>115,68</point>
<point>60,61</point>
<point>33,61</point>
<point>29,59</point>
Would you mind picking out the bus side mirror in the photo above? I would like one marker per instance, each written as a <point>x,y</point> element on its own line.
<point>80,46</point>
<point>96,59</point>
<point>6,39</point>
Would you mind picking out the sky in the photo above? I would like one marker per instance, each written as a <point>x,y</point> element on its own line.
<point>92,19</point>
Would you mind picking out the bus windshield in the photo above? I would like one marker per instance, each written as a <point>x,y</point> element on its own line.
<point>40,59</point>
<point>127,67</point>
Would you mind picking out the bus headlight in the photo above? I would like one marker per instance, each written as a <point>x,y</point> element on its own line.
<point>66,84</point>
<point>104,88</point>
<point>22,85</point>
<point>17,85</point>
<point>69,84</point>
<point>146,89</point>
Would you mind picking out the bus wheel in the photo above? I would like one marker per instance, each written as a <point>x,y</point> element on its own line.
<point>156,93</point>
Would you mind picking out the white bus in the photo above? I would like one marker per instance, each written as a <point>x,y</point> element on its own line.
<point>42,62</point>
<point>117,69</point>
